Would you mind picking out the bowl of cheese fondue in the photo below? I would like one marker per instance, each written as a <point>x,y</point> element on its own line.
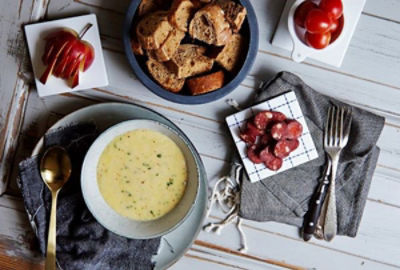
<point>140,179</point>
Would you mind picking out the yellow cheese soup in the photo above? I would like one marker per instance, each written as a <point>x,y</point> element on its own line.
<point>142,174</point>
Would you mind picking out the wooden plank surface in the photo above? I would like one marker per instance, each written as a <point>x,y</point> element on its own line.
<point>369,78</point>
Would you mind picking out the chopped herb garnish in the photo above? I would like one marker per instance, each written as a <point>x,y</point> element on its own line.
<point>129,206</point>
<point>151,212</point>
<point>129,153</point>
<point>170,182</point>
<point>127,181</point>
<point>159,155</point>
<point>157,174</point>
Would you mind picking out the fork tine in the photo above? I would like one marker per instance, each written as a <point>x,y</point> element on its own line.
<point>326,133</point>
<point>337,126</point>
<point>341,128</point>
<point>349,118</point>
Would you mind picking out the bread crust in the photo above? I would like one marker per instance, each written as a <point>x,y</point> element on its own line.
<point>189,60</point>
<point>210,26</point>
<point>164,76</point>
<point>180,13</point>
<point>235,13</point>
<point>207,83</point>
<point>169,47</point>
<point>153,30</point>
<point>231,55</point>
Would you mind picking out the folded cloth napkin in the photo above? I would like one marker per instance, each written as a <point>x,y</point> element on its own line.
<point>285,197</point>
<point>82,243</point>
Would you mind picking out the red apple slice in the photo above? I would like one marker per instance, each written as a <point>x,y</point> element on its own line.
<point>89,52</point>
<point>49,70</point>
<point>62,58</point>
<point>74,80</point>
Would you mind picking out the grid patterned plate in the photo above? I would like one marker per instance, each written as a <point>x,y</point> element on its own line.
<point>287,104</point>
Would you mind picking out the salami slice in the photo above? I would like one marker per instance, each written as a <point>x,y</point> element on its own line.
<point>294,129</point>
<point>248,138</point>
<point>262,119</point>
<point>293,144</point>
<point>282,149</point>
<point>252,154</point>
<point>266,155</point>
<point>253,130</point>
<point>274,164</point>
<point>279,130</point>
<point>278,117</point>
<point>266,139</point>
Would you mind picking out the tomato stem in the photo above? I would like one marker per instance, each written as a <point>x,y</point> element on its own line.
<point>84,30</point>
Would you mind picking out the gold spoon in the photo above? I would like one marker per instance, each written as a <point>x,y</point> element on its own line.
<point>55,169</point>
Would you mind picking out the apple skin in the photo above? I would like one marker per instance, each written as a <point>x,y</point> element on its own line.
<point>65,55</point>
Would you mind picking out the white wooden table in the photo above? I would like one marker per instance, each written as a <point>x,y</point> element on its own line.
<point>369,78</point>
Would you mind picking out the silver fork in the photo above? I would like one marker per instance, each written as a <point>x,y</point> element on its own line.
<point>337,132</point>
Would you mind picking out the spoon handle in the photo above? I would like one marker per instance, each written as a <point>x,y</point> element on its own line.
<point>51,240</point>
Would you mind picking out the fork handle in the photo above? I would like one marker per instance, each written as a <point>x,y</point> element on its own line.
<point>311,218</point>
<point>330,224</point>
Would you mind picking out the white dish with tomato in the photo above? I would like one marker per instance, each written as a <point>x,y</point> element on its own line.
<point>316,25</point>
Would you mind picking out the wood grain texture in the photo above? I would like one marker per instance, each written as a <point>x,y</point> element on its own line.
<point>369,78</point>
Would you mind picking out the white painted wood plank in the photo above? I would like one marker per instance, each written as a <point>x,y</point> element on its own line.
<point>387,9</point>
<point>377,241</point>
<point>12,88</point>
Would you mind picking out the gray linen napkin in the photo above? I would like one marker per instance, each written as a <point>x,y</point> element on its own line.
<point>82,243</point>
<point>285,196</point>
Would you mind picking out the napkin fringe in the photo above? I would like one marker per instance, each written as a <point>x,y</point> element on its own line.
<point>226,195</point>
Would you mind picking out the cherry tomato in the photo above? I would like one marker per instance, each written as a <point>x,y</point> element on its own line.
<point>333,7</point>
<point>301,12</point>
<point>334,25</point>
<point>317,21</point>
<point>318,41</point>
<point>336,33</point>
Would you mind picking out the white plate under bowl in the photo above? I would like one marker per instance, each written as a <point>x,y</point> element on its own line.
<point>174,244</point>
<point>122,225</point>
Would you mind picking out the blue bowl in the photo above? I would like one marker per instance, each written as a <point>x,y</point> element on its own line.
<point>249,30</point>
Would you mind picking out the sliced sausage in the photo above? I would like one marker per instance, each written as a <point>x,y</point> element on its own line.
<point>266,154</point>
<point>294,129</point>
<point>282,149</point>
<point>262,119</point>
<point>293,144</point>
<point>278,117</point>
<point>253,130</point>
<point>274,164</point>
<point>248,138</point>
<point>252,154</point>
<point>266,139</point>
<point>279,130</point>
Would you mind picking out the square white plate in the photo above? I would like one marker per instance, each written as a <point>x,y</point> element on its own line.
<point>333,56</point>
<point>95,76</point>
<point>287,104</point>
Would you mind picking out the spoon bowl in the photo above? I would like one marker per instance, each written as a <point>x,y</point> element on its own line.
<point>55,168</point>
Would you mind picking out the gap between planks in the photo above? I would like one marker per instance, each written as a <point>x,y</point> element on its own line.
<point>244,255</point>
<point>214,261</point>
